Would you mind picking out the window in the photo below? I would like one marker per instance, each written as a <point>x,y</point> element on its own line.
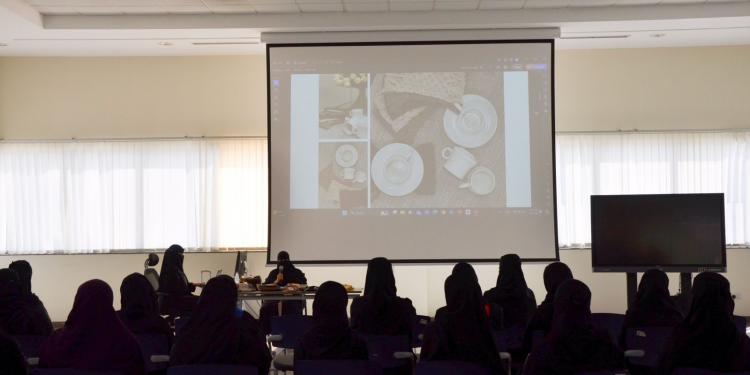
<point>646,163</point>
<point>102,196</point>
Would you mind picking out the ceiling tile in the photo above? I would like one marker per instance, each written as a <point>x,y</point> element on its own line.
<point>319,1</point>
<point>636,2</point>
<point>276,8</point>
<point>321,7</point>
<point>356,6</point>
<point>501,4</point>
<point>55,10</point>
<point>456,5</point>
<point>681,1</point>
<point>591,3</point>
<point>409,6</point>
<point>246,8</point>
<point>546,3</point>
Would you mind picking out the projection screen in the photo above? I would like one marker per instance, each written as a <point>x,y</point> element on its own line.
<point>418,152</point>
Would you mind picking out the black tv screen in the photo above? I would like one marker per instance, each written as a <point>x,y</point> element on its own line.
<point>673,232</point>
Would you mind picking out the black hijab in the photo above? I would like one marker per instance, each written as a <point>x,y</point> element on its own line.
<point>462,332</point>
<point>11,358</point>
<point>653,306</point>
<point>511,294</point>
<point>465,270</point>
<point>20,314</point>
<point>172,279</point>
<point>139,309</point>
<point>573,345</point>
<point>510,280</point>
<point>330,338</point>
<point>708,337</point>
<point>555,274</point>
<point>380,311</point>
<point>23,269</point>
<point>217,333</point>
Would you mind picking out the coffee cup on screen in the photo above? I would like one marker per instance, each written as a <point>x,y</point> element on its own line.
<point>349,174</point>
<point>481,181</point>
<point>458,161</point>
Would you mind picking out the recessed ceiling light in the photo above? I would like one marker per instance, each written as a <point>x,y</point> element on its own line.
<point>165,44</point>
<point>658,35</point>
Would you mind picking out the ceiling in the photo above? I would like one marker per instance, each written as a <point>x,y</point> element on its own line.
<point>109,7</point>
<point>215,27</point>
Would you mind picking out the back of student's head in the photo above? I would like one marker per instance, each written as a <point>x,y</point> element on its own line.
<point>24,271</point>
<point>329,305</point>
<point>137,296</point>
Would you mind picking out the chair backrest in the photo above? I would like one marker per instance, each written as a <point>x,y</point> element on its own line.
<point>649,339</point>
<point>451,368</point>
<point>152,276</point>
<point>417,330</point>
<point>212,370</point>
<point>290,328</point>
<point>68,371</point>
<point>698,371</point>
<point>153,345</point>
<point>741,323</point>
<point>179,324</point>
<point>612,323</point>
<point>335,367</point>
<point>509,338</point>
<point>30,344</point>
<point>380,349</point>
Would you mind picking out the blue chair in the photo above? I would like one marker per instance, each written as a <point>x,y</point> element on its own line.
<point>212,370</point>
<point>612,323</point>
<point>153,345</point>
<point>451,368</point>
<point>417,330</point>
<point>285,332</point>
<point>741,323</point>
<point>30,344</point>
<point>68,371</point>
<point>336,368</point>
<point>697,371</point>
<point>389,351</point>
<point>650,340</point>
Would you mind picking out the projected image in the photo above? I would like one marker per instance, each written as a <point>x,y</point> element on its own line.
<point>437,140</point>
<point>344,105</point>
<point>342,175</point>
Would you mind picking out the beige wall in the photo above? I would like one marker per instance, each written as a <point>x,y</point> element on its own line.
<point>215,96</point>
<point>132,97</point>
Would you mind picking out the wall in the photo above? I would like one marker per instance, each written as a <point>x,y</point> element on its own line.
<point>44,98</point>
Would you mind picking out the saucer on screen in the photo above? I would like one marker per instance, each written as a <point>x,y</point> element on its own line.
<point>397,169</point>
<point>346,156</point>
<point>475,125</point>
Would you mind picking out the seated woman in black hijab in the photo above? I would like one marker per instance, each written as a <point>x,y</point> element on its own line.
<point>573,345</point>
<point>331,338</point>
<point>139,310</point>
<point>24,271</point>
<point>461,332</point>
<point>380,311</point>
<point>554,274</point>
<point>653,307</point>
<point>284,274</point>
<point>708,337</point>
<point>19,314</point>
<point>464,270</point>
<point>178,298</point>
<point>11,358</point>
<point>218,333</point>
<point>511,295</point>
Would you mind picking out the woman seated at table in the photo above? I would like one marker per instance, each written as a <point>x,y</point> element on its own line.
<point>331,338</point>
<point>218,333</point>
<point>284,274</point>
<point>380,311</point>
<point>173,283</point>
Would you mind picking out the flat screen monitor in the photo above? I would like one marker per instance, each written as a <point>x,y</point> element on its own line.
<point>672,232</point>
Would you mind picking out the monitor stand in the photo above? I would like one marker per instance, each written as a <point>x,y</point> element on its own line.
<point>686,286</point>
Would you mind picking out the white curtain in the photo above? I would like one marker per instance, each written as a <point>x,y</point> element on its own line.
<point>81,197</point>
<point>632,163</point>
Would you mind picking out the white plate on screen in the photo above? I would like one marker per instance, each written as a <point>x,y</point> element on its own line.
<point>346,156</point>
<point>475,125</point>
<point>397,169</point>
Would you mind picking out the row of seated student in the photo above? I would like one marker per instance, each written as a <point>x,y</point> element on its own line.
<point>96,337</point>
